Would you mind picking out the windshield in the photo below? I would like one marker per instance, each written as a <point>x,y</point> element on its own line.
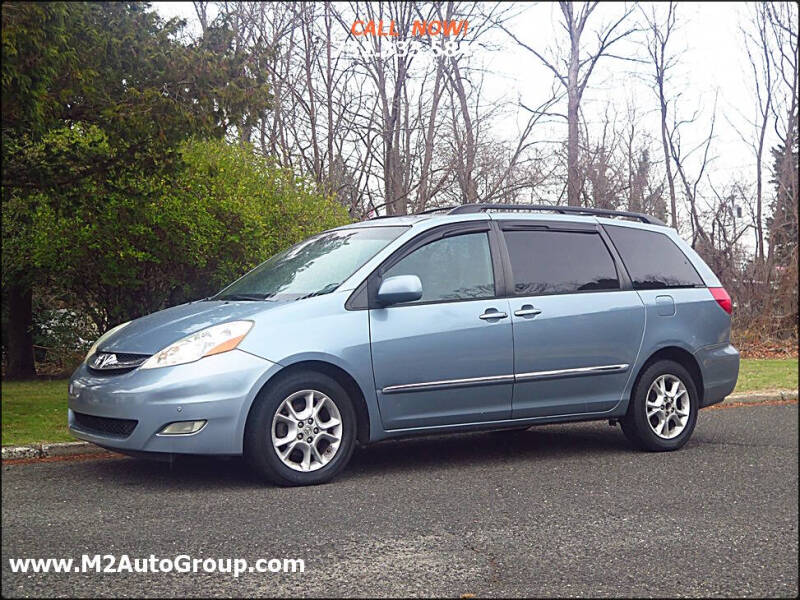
<point>313,267</point>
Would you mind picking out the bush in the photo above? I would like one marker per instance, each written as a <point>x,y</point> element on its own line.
<point>136,245</point>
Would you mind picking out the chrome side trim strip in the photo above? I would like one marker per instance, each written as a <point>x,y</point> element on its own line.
<point>446,383</point>
<point>569,372</point>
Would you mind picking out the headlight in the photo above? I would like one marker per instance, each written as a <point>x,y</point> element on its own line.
<point>212,340</point>
<point>104,337</point>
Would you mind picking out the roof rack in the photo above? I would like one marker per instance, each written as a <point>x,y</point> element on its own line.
<point>575,210</point>
<point>429,211</point>
<point>422,212</point>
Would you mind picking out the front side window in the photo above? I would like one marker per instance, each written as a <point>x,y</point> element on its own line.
<point>652,259</point>
<point>313,267</point>
<point>559,262</point>
<point>452,268</point>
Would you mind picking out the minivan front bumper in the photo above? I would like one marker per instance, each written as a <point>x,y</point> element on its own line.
<point>719,366</point>
<point>217,389</point>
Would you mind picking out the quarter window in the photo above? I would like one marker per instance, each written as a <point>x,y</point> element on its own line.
<point>451,268</point>
<point>652,259</point>
<point>559,262</point>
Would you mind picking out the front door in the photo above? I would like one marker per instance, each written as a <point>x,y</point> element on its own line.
<point>446,358</point>
<point>577,329</point>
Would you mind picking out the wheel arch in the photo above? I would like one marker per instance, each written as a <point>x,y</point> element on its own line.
<point>681,356</point>
<point>337,373</point>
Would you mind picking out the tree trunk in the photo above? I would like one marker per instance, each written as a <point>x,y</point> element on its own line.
<point>759,192</point>
<point>427,158</point>
<point>673,205</point>
<point>469,189</point>
<point>573,103</point>
<point>20,332</point>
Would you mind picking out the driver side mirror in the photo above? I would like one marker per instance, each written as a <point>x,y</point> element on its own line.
<point>401,288</point>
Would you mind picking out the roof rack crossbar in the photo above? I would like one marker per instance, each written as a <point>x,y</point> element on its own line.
<point>575,210</point>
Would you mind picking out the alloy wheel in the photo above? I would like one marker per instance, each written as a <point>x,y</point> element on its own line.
<point>307,430</point>
<point>668,406</point>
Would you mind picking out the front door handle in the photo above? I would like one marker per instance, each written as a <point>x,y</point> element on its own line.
<point>493,313</point>
<point>527,310</point>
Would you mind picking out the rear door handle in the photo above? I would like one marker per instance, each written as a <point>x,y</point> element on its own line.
<point>527,310</point>
<point>493,313</point>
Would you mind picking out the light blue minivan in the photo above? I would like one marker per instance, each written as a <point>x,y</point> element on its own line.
<point>478,317</point>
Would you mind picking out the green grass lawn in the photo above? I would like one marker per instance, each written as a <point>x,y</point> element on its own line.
<point>36,411</point>
<point>767,374</point>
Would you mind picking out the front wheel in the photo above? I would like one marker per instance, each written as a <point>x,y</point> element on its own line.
<point>301,430</point>
<point>663,409</point>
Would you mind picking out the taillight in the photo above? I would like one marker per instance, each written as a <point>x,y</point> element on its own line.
<point>722,298</point>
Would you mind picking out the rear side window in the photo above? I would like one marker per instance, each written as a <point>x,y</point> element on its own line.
<point>652,259</point>
<point>559,262</point>
<point>452,268</point>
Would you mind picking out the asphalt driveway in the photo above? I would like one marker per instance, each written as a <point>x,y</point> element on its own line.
<point>556,510</point>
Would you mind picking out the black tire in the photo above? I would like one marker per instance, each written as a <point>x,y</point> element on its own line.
<point>636,424</point>
<point>258,448</point>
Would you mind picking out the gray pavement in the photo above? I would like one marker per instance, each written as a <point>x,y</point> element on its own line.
<point>553,511</point>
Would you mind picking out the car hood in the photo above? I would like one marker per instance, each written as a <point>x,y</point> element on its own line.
<point>154,332</point>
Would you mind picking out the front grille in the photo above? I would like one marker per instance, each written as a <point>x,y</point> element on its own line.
<point>128,357</point>
<point>120,428</point>
<point>116,361</point>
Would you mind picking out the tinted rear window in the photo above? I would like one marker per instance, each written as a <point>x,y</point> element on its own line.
<point>559,262</point>
<point>652,259</point>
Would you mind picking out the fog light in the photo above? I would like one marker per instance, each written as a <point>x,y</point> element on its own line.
<point>182,428</point>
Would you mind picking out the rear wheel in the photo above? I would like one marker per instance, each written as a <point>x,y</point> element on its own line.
<point>301,431</point>
<point>663,409</point>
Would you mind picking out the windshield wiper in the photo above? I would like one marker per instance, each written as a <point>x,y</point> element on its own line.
<point>326,290</point>
<point>250,297</point>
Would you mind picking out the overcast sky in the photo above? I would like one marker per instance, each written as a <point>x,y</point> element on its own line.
<point>713,61</point>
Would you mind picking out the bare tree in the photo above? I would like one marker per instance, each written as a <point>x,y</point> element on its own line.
<point>783,229</point>
<point>381,128</point>
<point>658,38</point>
<point>783,24</point>
<point>578,70</point>
<point>645,184</point>
<point>602,172</point>
<point>759,52</point>
<point>681,157</point>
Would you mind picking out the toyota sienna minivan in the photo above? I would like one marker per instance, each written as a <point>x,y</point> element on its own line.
<point>484,317</point>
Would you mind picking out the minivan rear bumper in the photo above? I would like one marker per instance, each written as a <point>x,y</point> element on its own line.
<point>719,366</point>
